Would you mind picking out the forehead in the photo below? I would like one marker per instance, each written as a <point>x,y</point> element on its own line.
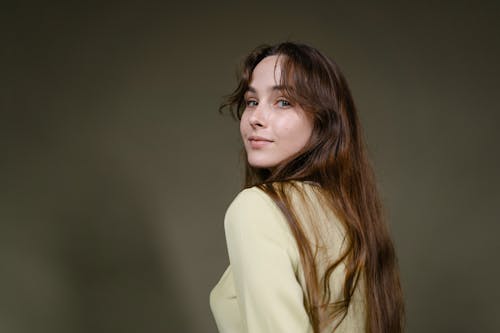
<point>267,72</point>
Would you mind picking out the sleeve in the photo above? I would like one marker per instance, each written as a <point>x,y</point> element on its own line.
<point>270,298</point>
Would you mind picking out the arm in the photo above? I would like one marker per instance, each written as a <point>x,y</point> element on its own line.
<point>263,255</point>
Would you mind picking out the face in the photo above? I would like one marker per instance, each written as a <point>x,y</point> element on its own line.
<point>272,128</point>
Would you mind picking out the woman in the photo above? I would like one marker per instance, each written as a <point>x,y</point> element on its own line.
<point>308,248</point>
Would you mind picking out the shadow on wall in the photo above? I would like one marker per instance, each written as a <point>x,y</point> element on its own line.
<point>77,243</point>
<point>78,256</point>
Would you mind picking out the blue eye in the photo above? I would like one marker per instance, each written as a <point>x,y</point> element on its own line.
<point>283,103</point>
<point>251,103</point>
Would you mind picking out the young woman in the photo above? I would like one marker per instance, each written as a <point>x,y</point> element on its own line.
<point>308,248</point>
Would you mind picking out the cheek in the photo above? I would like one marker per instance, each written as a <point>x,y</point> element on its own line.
<point>296,130</point>
<point>243,121</point>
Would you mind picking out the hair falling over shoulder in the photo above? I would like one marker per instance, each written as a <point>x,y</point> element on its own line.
<point>335,158</point>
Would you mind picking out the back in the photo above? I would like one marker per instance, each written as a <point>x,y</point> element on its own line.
<point>326,235</point>
<point>264,288</point>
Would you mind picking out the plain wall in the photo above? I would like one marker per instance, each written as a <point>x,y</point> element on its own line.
<point>116,167</point>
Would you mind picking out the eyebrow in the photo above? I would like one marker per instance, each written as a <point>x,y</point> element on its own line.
<point>273,88</point>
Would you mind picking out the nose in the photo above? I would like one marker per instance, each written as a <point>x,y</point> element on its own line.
<point>258,117</point>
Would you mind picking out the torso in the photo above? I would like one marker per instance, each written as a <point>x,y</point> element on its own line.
<point>326,234</point>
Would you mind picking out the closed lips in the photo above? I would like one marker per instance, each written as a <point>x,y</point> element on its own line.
<point>259,138</point>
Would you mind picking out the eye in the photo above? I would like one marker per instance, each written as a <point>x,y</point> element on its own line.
<point>283,103</point>
<point>251,103</point>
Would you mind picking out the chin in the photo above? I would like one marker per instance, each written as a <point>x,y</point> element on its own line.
<point>259,164</point>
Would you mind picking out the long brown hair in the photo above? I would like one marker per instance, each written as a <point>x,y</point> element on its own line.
<point>335,158</point>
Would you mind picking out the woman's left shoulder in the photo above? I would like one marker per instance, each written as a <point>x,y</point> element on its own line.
<point>253,212</point>
<point>252,204</point>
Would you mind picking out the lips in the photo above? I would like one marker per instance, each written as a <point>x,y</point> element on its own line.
<point>258,141</point>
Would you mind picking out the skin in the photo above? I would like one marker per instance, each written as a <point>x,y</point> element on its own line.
<point>272,128</point>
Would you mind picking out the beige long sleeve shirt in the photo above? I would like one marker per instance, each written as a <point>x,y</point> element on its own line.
<point>262,290</point>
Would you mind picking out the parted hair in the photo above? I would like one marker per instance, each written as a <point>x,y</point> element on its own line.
<point>335,158</point>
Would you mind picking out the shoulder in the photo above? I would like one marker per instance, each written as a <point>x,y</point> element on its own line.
<point>252,205</point>
<point>250,198</point>
<point>253,197</point>
<point>254,224</point>
<point>253,215</point>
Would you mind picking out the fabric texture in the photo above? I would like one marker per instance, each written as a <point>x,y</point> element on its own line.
<point>263,289</point>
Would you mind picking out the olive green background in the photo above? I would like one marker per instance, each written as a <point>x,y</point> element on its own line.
<point>116,167</point>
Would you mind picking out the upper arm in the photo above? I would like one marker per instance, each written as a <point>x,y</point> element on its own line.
<point>263,258</point>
